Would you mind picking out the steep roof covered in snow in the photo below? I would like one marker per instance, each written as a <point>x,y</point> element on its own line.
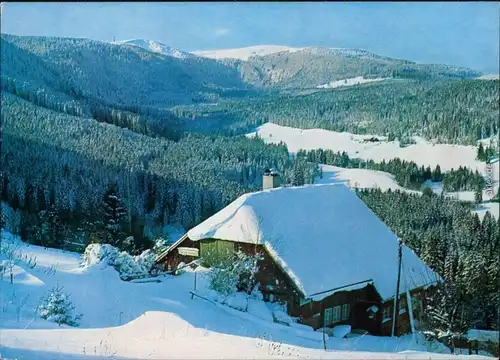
<point>323,236</point>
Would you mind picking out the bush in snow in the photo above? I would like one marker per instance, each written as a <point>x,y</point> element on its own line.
<point>122,261</point>
<point>235,272</point>
<point>160,245</point>
<point>57,307</point>
<point>96,253</point>
<point>222,279</point>
<point>129,245</point>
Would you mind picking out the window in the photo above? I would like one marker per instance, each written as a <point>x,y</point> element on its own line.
<point>402,305</point>
<point>387,313</point>
<point>328,317</point>
<point>345,311</point>
<point>337,314</point>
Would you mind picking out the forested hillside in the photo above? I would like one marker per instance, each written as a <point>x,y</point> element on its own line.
<point>67,164</point>
<point>311,67</point>
<point>456,244</point>
<point>116,74</point>
<point>450,111</point>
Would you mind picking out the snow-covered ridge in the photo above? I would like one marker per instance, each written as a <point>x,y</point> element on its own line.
<point>246,52</point>
<point>156,47</point>
<point>348,82</point>
<point>262,50</point>
<point>489,77</point>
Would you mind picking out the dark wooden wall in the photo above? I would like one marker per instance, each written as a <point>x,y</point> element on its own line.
<point>359,301</point>
<point>173,258</point>
<point>275,285</point>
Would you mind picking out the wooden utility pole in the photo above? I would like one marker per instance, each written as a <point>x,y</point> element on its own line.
<point>396,297</point>
<point>129,205</point>
<point>324,325</point>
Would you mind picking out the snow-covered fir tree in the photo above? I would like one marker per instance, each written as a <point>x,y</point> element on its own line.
<point>57,307</point>
<point>114,215</point>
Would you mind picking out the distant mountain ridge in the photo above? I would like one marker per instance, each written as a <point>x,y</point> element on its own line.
<point>246,52</point>
<point>157,47</point>
<point>284,67</point>
<point>149,73</point>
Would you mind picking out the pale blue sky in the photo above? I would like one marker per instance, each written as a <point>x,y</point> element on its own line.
<point>465,34</point>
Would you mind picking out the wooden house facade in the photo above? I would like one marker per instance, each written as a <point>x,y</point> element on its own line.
<point>316,257</point>
<point>358,305</point>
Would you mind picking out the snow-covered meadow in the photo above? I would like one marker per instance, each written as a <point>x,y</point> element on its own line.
<point>422,153</point>
<point>358,80</point>
<point>157,320</point>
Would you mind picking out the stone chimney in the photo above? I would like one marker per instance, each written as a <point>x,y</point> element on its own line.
<point>270,180</point>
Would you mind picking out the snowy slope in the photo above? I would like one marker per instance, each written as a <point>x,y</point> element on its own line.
<point>360,178</point>
<point>279,219</point>
<point>370,179</point>
<point>348,82</point>
<point>156,47</point>
<point>156,321</point>
<point>246,52</point>
<point>422,153</point>
<point>489,77</point>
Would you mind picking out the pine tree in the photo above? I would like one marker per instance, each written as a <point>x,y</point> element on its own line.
<point>57,307</point>
<point>436,174</point>
<point>480,153</point>
<point>51,230</point>
<point>478,195</point>
<point>298,173</point>
<point>447,315</point>
<point>114,214</point>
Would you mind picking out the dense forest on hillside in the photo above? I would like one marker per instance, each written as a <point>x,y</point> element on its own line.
<point>123,75</point>
<point>315,66</point>
<point>456,244</point>
<point>407,173</point>
<point>61,162</point>
<point>450,111</point>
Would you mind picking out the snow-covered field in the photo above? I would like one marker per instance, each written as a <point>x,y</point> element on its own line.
<point>348,82</point>
<point>361,178</point>
<point>155,320</point>
<point>372,179</point>
<point>489,77</point>
<point>246,52</point>
<point>422,153</point>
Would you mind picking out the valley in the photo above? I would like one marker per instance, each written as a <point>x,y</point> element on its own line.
<point>133,143</point>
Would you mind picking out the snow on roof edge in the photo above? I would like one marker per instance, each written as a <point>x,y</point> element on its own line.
<point>238,220</point>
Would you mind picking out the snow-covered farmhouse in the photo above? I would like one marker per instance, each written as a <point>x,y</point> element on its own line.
<point>325,255</point>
